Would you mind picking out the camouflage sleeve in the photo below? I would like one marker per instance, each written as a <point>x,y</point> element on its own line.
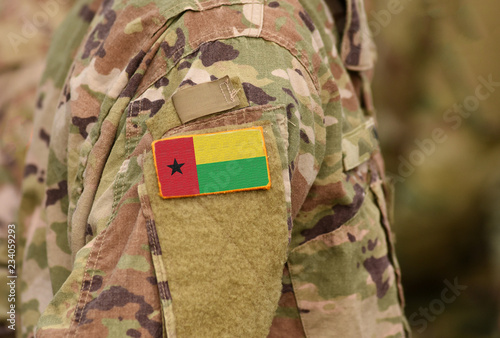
<point>296,245</point>
<point>282,99</point>
<point>227,238</point>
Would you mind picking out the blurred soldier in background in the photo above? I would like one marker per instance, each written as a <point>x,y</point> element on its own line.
<point>26,28</point>
<point>437,92</point>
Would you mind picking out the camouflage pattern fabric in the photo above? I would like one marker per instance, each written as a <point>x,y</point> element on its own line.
<point>96,262</point>
<point>26,27</point>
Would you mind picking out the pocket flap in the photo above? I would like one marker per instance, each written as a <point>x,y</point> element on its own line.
<point>358,144</point>
<point>222,254</point>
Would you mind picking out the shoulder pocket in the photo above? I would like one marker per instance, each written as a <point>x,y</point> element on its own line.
<point>221,255</point>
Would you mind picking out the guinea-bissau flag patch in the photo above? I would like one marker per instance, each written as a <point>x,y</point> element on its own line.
<point>212,163</point>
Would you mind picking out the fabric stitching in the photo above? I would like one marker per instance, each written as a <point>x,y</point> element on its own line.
<point>215,36</point>
<point>149,224</point>
<point>73,317</point>
<point>260,187</point>
<point>162,273</point>
<point>92,276</point>
<point>222,117</point>
<point>150,235</point>
<point>290,47</point>
<point>222,90</point>
<point>157,262</point>
<point>251,15</point>
<point>294,288</point>
<point>234,93</point>
<point>261,23</point>
<point>206,6</point>
<point>102,235</point>
<point>160,72</point>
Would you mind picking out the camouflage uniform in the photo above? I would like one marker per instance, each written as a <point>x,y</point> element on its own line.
<point>22,52</point>
<point>310,257</point>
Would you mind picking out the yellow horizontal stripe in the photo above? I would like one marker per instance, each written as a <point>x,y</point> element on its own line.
<point>229,146</point>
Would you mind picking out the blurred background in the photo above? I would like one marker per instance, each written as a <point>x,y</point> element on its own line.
<point>437,91</point>
<point>435,88</point>
<point>26,28</point>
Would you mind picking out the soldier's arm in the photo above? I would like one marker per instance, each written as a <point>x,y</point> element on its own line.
<point>170,230</point>
<point>220,256</point>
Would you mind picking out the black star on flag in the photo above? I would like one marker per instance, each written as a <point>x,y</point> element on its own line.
<point>176,167</point>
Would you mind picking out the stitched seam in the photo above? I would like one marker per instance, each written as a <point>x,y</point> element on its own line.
<point>222,90</point>
<point>207,5</point>
<point>231,97</point>
<point>157,262</point>
<point>236,113</point>
<point>83,283</point>
<point>251,15</point>
<point>116,198</point>
<point>284,43</point>
<point>162,71</point>
<point>149,225</point>
<point>73,317</point>
<point>295,297</point>
<point>92,276</point>
<point>261,24</point>
<point>150,234</point>
<point>363,126</point>
<point>234,93</point>
<point>164,275</point>
<point>116,193</point>
<point>214,36</point>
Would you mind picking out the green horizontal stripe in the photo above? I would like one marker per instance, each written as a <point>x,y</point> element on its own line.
<point>232,175</point>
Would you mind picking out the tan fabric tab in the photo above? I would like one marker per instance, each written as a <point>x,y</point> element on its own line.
<point>205,99</point>
<point>240,92</point>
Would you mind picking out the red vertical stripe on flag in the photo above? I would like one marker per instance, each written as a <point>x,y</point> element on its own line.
<point>176,167</point>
